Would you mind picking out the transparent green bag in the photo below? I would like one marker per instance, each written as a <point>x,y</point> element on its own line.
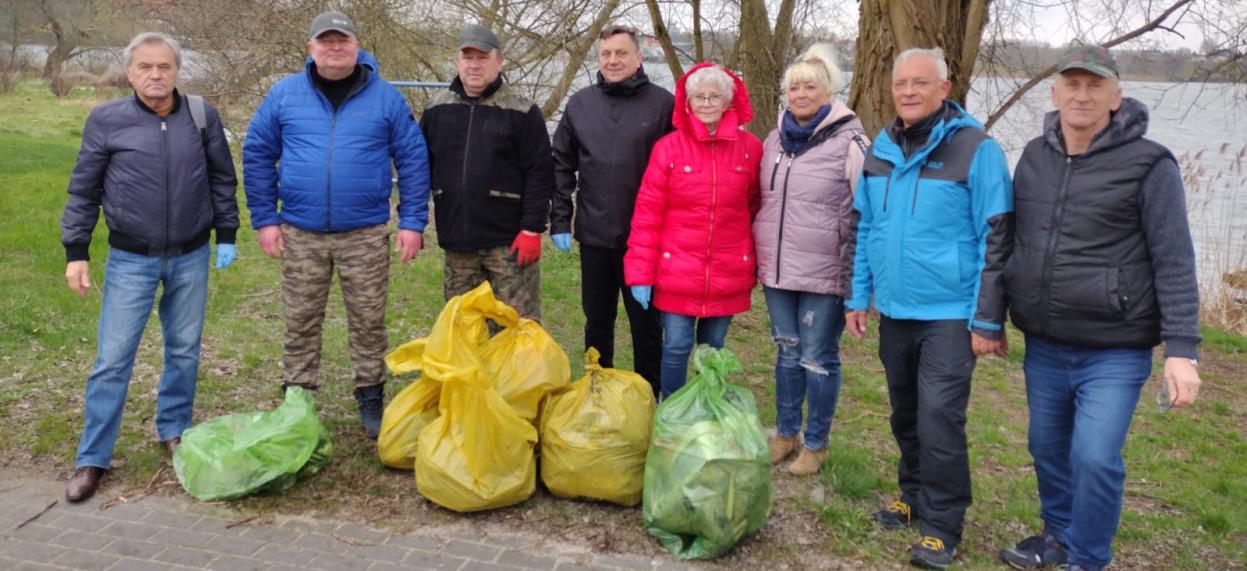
<point>253,453</point>
<point>708,471</point>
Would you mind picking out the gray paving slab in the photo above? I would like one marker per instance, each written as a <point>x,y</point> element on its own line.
<point>149,533</point>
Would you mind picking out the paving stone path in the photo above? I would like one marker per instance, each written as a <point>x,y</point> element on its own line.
<point>167,533</point>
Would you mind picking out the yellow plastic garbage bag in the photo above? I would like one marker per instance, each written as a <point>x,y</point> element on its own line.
<point>412,409</point>
<point>595,434</point>
<point>478,454</point>
<point>525,364</point>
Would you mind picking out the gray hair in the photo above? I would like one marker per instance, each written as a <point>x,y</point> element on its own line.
<point>936,54</point>
<point>615,29</point>
<point>153,38</point>
<point>714,74</point>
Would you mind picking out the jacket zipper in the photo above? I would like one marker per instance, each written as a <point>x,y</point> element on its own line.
<point>164,158</point>
<point>887,189</point>
<point>714,201</point>
<point>463,186</point>
<point>1050,250</point>
<point>783,214</point>
<point>333,128</point>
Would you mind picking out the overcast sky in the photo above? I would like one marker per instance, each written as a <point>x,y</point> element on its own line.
<point>1055,23</point>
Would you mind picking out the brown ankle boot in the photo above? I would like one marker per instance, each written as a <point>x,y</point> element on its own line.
<point>809,462</point>
<point>83,484</point>
<point>782,447</point>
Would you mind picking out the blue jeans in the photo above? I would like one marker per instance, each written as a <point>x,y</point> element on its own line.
<point>130,282</point>
<point>1081,402</point>
<point>677,343</point>
<point>806,327</point>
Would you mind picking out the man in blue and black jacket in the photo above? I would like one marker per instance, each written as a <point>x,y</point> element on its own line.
<point>317,171</point>
<point>934,228</point>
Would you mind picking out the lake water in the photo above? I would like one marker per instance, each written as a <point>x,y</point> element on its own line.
<point>1203,125</point>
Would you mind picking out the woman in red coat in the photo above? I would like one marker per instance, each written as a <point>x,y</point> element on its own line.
<point>691,246</point>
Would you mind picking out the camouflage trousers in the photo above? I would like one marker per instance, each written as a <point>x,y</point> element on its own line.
<point>517,287</point>
<point>362,258</point>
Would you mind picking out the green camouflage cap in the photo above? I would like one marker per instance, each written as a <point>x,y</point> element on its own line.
<point>1095,59</point>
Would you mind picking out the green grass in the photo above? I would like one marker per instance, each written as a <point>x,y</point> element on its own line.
<point>1187,482</point>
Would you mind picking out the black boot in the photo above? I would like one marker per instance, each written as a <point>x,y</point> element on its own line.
<point>370,400</point>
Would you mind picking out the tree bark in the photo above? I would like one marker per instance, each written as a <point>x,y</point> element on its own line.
<point>888,27</point>
<point>576,58</point>
<point>664,38</point>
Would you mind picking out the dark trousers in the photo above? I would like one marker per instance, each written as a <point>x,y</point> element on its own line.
<point>929,365</point>
<point>601,283</point>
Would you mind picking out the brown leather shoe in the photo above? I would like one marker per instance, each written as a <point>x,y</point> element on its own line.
<point>171,444</point>
<point>86,479</point>
<point>782,447</point>
<point>809,462</point>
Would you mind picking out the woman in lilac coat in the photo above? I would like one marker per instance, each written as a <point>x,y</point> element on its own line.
<point>810,167</point>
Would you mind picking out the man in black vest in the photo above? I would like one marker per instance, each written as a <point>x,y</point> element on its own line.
<point>1103,270</point>
<point>601,148</point>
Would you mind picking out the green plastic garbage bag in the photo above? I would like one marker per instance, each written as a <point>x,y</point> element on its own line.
<point>708,472</point>
<point>253,453</point>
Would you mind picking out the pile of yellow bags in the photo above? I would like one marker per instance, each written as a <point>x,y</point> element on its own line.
<point>475,450</point>
<point>595,434</point>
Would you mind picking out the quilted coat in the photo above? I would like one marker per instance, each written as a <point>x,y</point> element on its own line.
<point>692,236</point>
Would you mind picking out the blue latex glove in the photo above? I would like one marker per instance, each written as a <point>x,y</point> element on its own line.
<point>562,241</point>
<point>225,254</point>
<point>641,294</point>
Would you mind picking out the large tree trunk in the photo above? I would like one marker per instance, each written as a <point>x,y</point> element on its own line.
<point>763,56</point>
<point>888,27</point>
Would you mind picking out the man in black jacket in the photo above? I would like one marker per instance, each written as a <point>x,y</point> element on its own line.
<point>164,184</point>
<point>1103,270</point>
<point>601,149</point>
<point>492,176</point>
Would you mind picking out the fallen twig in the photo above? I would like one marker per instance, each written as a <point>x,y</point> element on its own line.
<point>350,541</point>
<point>36,516</point>
<point>241,521</point>
<point>137,494</point>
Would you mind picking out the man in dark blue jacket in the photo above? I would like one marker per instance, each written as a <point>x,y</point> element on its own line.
<point>601,148</point>
<point>1102,271</point>
<point>934,228</point>
<point>164,184</point>
<point>317,169</point>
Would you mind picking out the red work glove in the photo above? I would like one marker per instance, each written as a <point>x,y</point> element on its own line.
<point>526,247</point>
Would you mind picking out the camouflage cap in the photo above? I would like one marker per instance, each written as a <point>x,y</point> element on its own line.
<point>1092,58</point>
<point>479,37</point>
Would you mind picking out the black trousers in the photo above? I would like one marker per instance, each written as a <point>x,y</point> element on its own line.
<point>929,365</point>
<point>601,283</point>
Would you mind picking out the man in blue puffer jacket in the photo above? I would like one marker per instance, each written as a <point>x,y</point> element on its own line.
<point>317,168</point>
<point>934,229</point>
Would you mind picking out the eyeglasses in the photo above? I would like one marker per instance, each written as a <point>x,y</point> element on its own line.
<point>712,99</point>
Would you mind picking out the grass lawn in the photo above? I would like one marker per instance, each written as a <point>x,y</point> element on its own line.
<point>1186,493</point>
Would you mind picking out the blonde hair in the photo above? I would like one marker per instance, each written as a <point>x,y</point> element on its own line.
<point>817,64</point>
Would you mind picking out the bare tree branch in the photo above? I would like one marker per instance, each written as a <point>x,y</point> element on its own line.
<point>1043,74</point>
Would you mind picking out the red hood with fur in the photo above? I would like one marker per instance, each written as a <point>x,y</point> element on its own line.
<point>739,113</point>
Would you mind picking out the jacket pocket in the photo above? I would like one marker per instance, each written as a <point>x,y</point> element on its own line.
<point>1086,292</point>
